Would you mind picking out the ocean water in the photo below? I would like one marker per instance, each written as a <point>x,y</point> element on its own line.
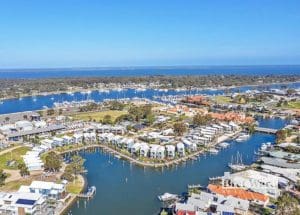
<point>139,71</point>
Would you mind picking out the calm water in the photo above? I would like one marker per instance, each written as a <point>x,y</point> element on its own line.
<point>200,70</point>
<point>139,194</point>
<point>30,103</point>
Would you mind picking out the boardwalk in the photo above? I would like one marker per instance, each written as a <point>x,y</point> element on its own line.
<point>266,130</point>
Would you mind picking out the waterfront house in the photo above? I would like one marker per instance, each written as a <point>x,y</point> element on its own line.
<point>240,193</point>
<point>180,149</point>
<point>116,140</point>
<point>190,146</point>
<point>135,148</point>
<point>213,204</point>
<point>160,152</point>
<point>48,189</point>
<point>170,151</point>
<point>256,181</point>
<point>127,142</point>
<point>78,138</point>
<point>89,137</point>
<point>153,150</point>
<point>22,203</point>
<point>109,137</point>
<point>144,149</point>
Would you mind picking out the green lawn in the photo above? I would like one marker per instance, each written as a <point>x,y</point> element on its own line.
<point>15,155</point>
<point>15,185</point>
<point>75,187</point>
<point>293,105</point>
<point>98,115</point>
<point>222,99</point>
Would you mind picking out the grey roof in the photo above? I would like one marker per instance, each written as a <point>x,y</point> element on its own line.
<point>36,131</point>
<point>280,163</point>
<point>14,117</point>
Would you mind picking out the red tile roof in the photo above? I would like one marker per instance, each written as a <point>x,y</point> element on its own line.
<point>238,193</point>
<point>182,212</point>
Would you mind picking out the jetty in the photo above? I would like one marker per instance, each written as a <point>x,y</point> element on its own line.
<point>89,194</point>
<point>266,130</point>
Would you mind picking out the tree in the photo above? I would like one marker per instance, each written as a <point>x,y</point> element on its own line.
<point>3,176</point>
<point>50,112</point>
<point>179,128</point>
<point>68,173</point>
<point>290,92</point>
<point>280,136</point>
<point>201,119</point>
<point>286,204</point>
<point>77,164</point>
<point>251,128</point>
<point>150,119</point>
<point>23,169</point>
<point>116,105</point>
<point>53,162</point>
<point>107,119</point>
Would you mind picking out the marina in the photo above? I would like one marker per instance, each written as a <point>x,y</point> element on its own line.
<point>156,182</point>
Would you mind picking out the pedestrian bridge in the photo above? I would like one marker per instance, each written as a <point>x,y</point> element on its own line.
<point>266,130</point>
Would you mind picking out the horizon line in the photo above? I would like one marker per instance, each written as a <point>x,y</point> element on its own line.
<point>141,67</point>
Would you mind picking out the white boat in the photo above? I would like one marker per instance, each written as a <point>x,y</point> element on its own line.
<point>213,151</point>
<point>224,145</point>
<point>243,137</point>
<point>70,93</point>
<point>141,89</point>
<point>265,146</point>
<point>237,164</point>
<point>167,197</point>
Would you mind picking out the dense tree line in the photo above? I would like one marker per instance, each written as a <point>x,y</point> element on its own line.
<point>17,87</point>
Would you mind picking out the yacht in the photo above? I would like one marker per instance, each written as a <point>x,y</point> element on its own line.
<point>213,151</point>
<point>224,145</point>
<point>168,197</point>
<point>243,137</point>
<point>236,164</point>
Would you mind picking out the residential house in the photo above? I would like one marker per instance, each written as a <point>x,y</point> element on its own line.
<point>170,151</point>
<point>180,149</point>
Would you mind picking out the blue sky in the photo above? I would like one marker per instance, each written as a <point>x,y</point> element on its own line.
<point>74,33</point>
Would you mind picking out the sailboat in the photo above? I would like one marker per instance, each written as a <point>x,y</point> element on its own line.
<point>237,164</point>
